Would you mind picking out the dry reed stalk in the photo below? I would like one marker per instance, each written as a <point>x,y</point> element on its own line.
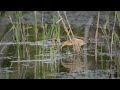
<point>75,42</point>
<point>96,36</point>
<point>64,26</point>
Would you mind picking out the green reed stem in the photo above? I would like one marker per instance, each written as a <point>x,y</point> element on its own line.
<point>111,45</point>
<point>36,36</point>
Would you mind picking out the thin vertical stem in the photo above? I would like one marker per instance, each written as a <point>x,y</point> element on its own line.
<point>86,33</point>
<point>36,32</point>
<point>111,45</point>
<point>68,24</point>
<point>96,36</point>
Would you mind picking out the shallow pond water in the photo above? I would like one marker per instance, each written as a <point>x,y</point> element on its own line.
<point>44,59</point>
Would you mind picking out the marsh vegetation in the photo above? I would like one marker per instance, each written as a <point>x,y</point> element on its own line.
<point>37,49</point>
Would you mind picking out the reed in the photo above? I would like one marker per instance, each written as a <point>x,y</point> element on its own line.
<point>112,41</point>
<point>105,31</point>
<point>17,27</point>
<point>96,36</point>
<point>52,33</point>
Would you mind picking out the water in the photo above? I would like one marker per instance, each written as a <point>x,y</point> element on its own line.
<point>63,65</point>
<point>43,59</point>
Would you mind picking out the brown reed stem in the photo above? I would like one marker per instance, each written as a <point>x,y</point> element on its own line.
<point>64,26</point>
<point>96,36</point>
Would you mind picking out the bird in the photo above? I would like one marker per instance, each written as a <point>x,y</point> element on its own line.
<point>76,42</point>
